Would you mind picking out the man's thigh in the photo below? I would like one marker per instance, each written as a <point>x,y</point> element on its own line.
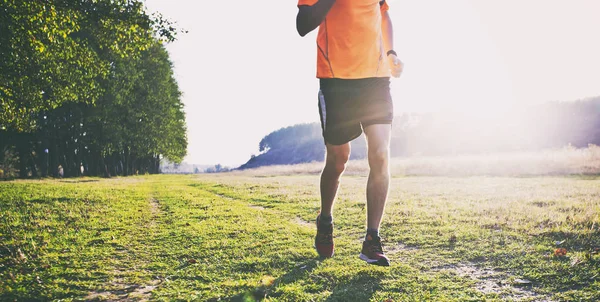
<point>348,106</point>
<point>378,136</point>
<point>339,111</point>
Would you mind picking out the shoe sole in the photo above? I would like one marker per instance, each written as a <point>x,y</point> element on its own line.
<point>380,261</point>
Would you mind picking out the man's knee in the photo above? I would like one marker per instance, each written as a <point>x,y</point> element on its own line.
<point>379,157</point>
<point>337,159</point>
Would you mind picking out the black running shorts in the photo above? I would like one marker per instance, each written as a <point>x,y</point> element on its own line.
<point>346,106</point>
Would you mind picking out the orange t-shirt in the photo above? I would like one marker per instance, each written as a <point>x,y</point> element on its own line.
<point>350,41</point>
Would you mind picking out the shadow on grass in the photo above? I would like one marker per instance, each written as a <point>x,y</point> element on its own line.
<point>30,288</point>
<point>360,287</point>
<point>79,181</point>
<point>300,271</point>
<point>55,200</point>
<point>218,190</point>
<point>49,200</point>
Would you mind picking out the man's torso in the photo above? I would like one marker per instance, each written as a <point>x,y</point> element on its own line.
<point>350,43</point>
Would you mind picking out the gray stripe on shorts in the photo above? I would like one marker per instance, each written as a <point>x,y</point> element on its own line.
<point>323,109</point>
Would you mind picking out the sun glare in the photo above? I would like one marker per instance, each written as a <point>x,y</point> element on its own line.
<point>477,64</point>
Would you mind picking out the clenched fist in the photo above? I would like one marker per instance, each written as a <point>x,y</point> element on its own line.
<point>396,65</point>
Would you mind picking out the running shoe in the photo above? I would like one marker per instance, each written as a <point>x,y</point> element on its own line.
<point>372,252</point>
<point>324,239</point>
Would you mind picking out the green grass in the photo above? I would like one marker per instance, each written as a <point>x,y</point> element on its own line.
<point>243,238</point>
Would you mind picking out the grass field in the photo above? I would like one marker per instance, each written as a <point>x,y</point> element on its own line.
<point>246,237</point>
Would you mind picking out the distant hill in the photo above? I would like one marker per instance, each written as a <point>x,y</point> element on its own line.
<point>290,145</point>
<point>550,125</point>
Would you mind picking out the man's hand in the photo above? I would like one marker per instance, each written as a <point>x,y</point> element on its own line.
<point>396,66</point>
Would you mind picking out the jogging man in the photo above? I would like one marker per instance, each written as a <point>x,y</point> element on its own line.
<point>355,59</point>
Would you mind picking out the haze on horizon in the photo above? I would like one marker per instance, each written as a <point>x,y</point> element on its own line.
<point>245,72</point>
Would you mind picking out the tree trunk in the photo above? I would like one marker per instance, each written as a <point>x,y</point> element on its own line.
<point>43,157</point>
<point>156,164</point>
<point>33,159</point>
<point>4,142</point>
<point>53,154</point>
<point>22,150</point>
<point>105,165</point>
<point>66,160</point>
<point>76,163</point>
<point>94,163</point>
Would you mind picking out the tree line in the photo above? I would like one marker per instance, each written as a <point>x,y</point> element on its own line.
<point>543,126</point>
<point>87,88</point>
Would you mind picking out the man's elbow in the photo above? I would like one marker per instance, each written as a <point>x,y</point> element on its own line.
<point>301,27</point>
<point>301,31</point>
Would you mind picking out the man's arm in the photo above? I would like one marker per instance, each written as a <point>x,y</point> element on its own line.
<point>310,17</point>
<point>387,31</point>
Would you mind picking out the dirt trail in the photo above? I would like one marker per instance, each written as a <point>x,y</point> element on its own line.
<point>118,289</point>
<point>492,281</point>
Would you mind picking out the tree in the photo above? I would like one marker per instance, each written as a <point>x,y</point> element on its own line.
<point>75,82</point>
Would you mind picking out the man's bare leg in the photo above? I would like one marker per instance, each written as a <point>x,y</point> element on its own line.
<point>378,142</point>
<point>335,164</point>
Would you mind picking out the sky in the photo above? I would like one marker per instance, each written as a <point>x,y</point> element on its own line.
<point>245,72</point>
